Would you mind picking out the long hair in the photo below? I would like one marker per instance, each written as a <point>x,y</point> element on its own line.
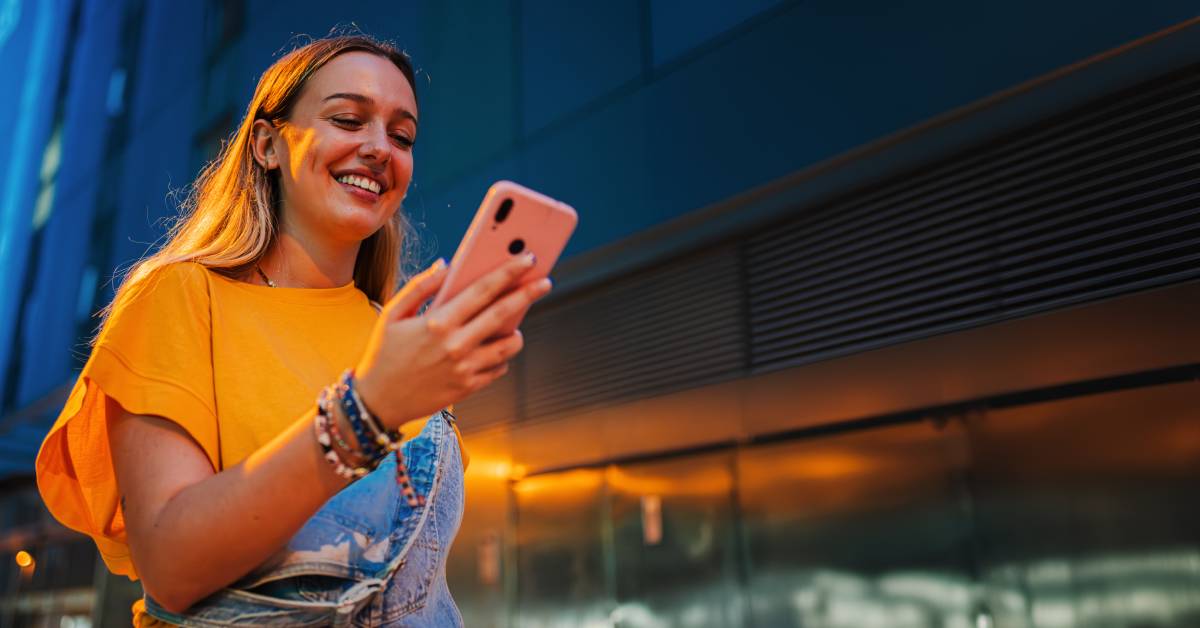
<point>230,216</point>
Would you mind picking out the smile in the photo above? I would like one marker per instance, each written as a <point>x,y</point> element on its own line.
<point>360,182</point>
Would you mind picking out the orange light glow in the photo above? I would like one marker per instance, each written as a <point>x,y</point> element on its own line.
<point>700,482</point>
<point>566,483</point>
<point>24,559</point>
<point>825,466</point>
<point>498,469</point>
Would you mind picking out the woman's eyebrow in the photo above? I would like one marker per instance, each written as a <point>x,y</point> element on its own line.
<point>367,100</point>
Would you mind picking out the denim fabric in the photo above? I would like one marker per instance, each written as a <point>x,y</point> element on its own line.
<point>366,558</point>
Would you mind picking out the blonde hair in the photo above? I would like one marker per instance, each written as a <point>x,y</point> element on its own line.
<point>229,218</point>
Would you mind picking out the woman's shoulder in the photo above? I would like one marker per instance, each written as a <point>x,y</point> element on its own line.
<point>167,298</point>
<point>187,274</point>
<point>165,281</point>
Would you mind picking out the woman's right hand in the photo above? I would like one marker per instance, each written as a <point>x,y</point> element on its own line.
<point>415,365</point>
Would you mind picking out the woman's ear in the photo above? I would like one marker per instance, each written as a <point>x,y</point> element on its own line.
<point>263,138</point>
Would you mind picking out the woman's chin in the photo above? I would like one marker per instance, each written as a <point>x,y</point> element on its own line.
<point>357,223</point>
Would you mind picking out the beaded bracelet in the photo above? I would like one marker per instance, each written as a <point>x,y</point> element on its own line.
<point>390,440</point>
<point>322,425</point>
<point>345,450</point>
<point>384,438</point>
<point>353,456</point>
<point>361,420</point>
<point>366,443</point>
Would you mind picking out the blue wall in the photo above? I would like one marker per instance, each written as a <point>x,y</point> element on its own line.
<point>634,111</point>
<point>32,60</point>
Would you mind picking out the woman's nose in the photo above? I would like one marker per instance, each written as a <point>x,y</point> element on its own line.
<point>375,145</point>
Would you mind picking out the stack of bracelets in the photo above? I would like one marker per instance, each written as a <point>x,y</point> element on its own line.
<point>374,441</point>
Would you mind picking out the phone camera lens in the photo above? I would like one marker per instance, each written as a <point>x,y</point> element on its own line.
<point>516,246</point>
<point>505,207</point>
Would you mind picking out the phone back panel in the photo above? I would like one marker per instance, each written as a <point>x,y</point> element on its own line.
<point>535,222</point>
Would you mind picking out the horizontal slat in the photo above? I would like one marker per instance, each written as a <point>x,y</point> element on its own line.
<point>911,327</point>
<point>1095,272</point>
<point>673,371</point>
<point>644,356</point>
<point>620,320</point>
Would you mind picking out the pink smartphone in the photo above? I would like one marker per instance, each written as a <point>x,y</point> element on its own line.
<point>511,220</point>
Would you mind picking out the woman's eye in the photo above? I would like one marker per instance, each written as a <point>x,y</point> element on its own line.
<point>402,141</point>
<point>349,123</point>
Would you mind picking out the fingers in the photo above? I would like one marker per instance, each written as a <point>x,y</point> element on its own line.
<point>500,313</point>
<point>492,355</point>
<point>479,294</point>
<point>483,378</point>
<point>416,291</point>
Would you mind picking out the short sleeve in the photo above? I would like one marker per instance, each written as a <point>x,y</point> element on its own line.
<point>154,357</point>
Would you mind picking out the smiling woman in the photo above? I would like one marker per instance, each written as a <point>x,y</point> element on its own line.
<point>346,146</point>
<point>191,448</point>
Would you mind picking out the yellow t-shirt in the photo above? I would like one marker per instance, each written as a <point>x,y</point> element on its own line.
<point>232,363</point>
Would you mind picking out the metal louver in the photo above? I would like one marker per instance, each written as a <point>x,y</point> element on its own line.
<point>1100,201</point>
<point>673,326</point>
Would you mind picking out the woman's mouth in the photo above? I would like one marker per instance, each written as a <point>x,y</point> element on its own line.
<point>359,187</point>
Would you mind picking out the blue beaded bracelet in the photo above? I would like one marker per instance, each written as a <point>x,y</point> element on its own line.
<point>384,438</point>
<point>366,442</point>
<point>385,441</point>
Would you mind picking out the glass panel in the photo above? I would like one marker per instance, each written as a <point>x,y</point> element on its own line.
<point>1087,511</point>
<point>675,545</point>
<point>858,529</point>
<point>477,561</point>
<point>560,550</point>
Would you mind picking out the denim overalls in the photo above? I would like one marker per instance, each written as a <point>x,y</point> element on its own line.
<point>366,558</point>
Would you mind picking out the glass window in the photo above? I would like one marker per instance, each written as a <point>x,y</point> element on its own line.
<point>674,542</point>
<point>865,528</point>
<point>1086,512</point>
<point>561,539</point>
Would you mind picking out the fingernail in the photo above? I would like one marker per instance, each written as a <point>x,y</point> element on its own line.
<point>547,283</point>
<point>530,259</point>
<point>440,263</point>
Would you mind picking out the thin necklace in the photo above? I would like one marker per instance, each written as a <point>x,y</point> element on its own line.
<point>264,276</point>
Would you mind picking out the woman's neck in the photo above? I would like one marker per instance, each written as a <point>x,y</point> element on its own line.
<point>293,262</point>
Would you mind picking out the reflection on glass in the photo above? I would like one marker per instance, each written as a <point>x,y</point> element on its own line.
<point>1086,512</point>
<point>1070,514</point>
<point>560,555</point>
<point>674,543</point>
<point>859,529</point>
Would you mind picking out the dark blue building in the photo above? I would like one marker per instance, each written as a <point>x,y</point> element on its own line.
<point>727,159</point>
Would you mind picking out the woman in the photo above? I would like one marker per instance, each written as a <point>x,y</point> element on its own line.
<point>209,445</point>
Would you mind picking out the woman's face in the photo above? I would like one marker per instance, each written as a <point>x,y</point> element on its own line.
<point>345,154</point>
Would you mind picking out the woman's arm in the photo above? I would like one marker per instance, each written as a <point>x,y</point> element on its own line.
<point>192,531</point>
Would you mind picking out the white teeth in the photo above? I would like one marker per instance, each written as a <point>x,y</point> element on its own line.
<point>357,181</point>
